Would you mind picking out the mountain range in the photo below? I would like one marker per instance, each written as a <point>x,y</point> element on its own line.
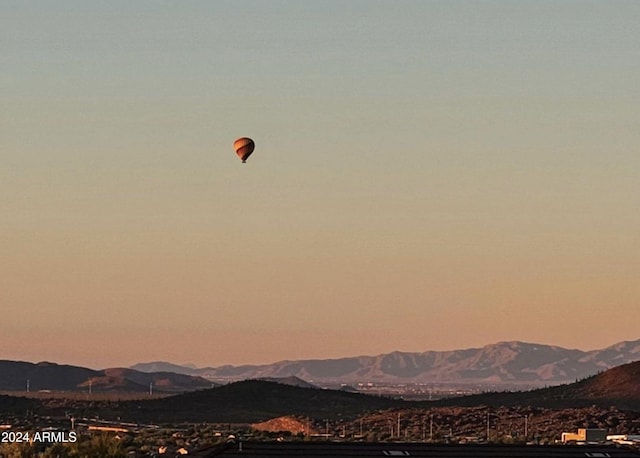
<point>603,395</point>
<point>500,363</point>
<point>503,364</point>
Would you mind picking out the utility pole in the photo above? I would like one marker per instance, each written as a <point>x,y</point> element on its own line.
<point>488,425</point>
<point>431,429</point>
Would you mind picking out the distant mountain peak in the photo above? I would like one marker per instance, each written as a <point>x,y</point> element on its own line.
<point>502,362</point>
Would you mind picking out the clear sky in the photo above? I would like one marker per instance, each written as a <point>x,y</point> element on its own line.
<point>428,175</point>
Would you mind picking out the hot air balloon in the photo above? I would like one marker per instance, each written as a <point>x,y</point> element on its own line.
<point>244,147</point>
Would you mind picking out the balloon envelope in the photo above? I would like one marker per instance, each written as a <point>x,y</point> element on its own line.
<point>244,147</point>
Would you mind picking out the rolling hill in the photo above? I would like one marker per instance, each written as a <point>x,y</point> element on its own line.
<point>618,387</point>
<point>255,400</point>
<point>47,376</point>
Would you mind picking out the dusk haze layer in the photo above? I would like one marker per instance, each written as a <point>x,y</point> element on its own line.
<point>427,175</point>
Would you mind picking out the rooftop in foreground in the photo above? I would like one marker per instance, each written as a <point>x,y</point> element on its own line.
<point>371,450</point>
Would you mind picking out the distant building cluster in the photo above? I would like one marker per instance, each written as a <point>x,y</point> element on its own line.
<point>594,435</point>
<point>585,435</point>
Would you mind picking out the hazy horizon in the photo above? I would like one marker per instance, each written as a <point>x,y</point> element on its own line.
<point>260,363</point>
<point>427,176</point>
